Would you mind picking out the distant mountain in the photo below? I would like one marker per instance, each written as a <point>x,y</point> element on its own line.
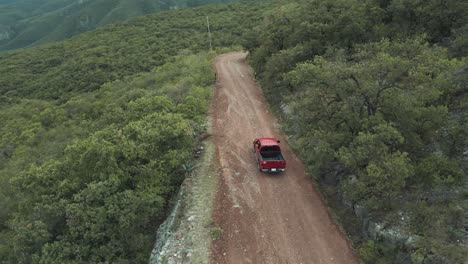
<point>25,23</point>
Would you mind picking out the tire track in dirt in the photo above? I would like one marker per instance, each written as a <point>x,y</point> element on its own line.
<point>266,218</point>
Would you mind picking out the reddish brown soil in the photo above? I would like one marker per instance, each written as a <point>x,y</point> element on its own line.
<point>265,218</point>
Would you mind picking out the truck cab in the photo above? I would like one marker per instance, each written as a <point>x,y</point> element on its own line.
<point>268,155</point>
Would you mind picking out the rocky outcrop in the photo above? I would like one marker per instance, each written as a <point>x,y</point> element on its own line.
<point>394,235</point>
<point>374,229</point>
<point>185,235</point>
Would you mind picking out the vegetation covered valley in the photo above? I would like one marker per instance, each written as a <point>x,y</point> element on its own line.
<point>96,132</point>
<point>25,23</point>
<point>374,96</point>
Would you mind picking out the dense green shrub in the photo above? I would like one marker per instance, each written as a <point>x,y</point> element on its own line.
<point>26,23</point>
<point>97,132</point>
<point>85,62</point>
<point>89,180</point>
<point>374,94</point>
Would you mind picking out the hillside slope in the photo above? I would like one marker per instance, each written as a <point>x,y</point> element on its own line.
<point>99,131</point>
<point>87,61</point>
<point>25,23</point>
<point>374,98</point>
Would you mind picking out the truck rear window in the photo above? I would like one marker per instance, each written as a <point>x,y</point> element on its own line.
<point>270,149</point>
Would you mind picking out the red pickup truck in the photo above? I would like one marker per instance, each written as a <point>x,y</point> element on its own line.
<point>268,154</point>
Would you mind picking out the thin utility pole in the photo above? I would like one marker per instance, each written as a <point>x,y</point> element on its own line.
<point>209,32</point>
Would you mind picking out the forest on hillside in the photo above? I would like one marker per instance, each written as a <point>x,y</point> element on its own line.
<point>87,61</point>
<point>98,132</point>
<point>374,97</point>
<point>25,23</point>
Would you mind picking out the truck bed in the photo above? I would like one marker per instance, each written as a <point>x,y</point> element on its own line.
<point>272,156</point>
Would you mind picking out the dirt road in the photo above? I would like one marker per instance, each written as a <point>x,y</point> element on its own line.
<point>265,218</point>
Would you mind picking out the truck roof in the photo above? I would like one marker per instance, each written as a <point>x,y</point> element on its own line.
<point>268,141</point>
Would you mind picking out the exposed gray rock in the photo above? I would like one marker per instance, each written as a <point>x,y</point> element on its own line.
<point>185,236</point>
<point>365,224</point>
<point>165,232</point>
<point>411,241</point>
<point>361,211</point>
<point>393,236</point>
<point>346,201</point>
<point>374,229</point>
<point>286,109</point>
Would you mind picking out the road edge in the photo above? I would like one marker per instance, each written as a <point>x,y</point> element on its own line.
<point>185,235</point>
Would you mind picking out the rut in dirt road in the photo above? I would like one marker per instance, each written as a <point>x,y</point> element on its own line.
<point>265,218</point>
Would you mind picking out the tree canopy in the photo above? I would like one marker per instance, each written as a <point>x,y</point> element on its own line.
<point>25,23</point>
<point>96,132</point>
<point>372,93</point>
